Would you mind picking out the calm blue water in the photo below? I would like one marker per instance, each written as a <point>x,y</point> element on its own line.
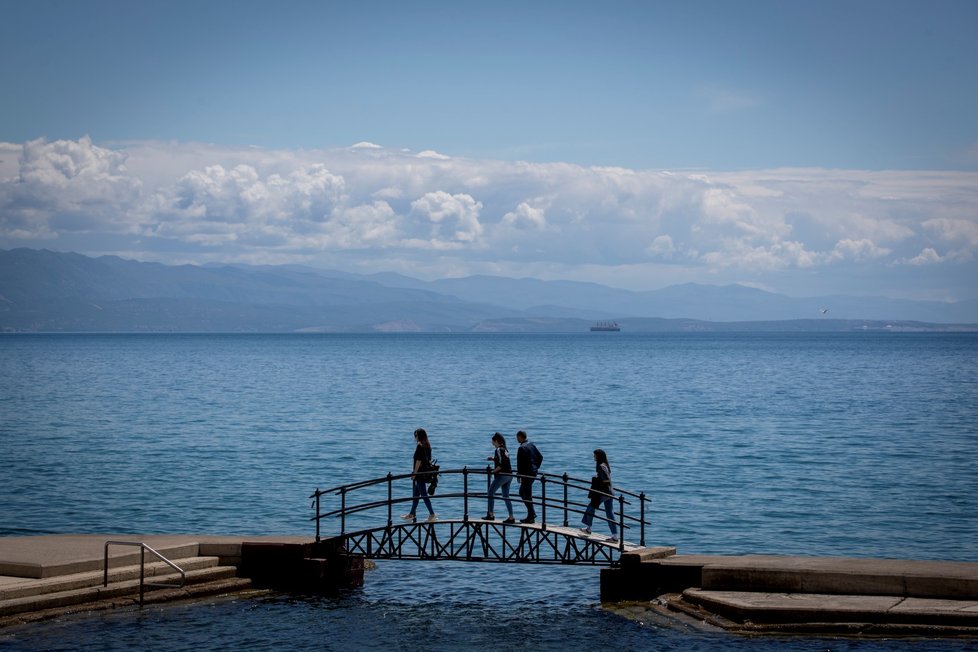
<point>856,444</point>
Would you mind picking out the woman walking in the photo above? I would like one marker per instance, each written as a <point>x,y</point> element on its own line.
<point>601,494</point>
<point>503,477</point>
<point>422,464</point>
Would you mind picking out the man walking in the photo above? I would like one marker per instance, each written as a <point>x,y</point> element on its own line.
<point>528,461</point>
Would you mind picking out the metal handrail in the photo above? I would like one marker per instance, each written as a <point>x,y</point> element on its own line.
<point>142,567</point>
<point>563,481</point>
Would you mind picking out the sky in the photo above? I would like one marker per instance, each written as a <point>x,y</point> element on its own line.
<point>804,147</point>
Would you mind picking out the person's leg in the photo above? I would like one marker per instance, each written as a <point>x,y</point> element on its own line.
<point>422,490</point>
<point>507,481</point>
<point>493,488</point>
<point>588,515</point>
<point>609,509</point>
<point>526,495</point>
<point>416,494</point>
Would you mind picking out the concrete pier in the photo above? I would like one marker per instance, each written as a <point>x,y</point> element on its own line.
<point>769,593</point>
<point>47,576</point>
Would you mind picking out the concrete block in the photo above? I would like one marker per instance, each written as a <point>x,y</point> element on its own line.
<point>644,555</point>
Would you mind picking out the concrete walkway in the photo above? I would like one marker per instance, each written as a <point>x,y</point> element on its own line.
<point>48,576</point>
<point>771,593</point>
<point>38,557</point>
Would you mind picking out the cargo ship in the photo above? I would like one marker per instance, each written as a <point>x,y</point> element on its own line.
<point>607,326</point>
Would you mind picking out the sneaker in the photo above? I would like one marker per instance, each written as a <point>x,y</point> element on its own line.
<point>528,520</point>
<point>432,517</point>
<point>510,520</point>
<point>407,517</point>
<point>489,517</point>
<point>612,539</point>
<point>586,530</point>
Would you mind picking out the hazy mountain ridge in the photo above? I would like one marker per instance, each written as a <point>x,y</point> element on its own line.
<point>42,290</point>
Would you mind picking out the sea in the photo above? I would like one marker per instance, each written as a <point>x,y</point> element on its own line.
<point>857,444</point>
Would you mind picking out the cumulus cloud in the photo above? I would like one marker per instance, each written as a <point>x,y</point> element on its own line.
<point>471,216</point>
<point>454,220</point>
<point>526,216</point>
<point>926,257</point>
<point>859,250</point>
<point>72,186</point>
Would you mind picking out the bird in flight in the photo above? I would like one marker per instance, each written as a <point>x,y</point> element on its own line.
<point>823,310</point>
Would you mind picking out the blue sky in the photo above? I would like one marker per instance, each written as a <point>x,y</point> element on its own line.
<point>631,143</point>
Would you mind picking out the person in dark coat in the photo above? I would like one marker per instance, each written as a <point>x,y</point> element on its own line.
<point>528,460</point>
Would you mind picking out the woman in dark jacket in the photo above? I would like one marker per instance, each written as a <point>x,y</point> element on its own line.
<point>602,483</point>
<point>422,463</point>
<point>502,477</point>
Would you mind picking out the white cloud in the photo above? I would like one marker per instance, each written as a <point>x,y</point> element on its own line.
<point>526,217</point>
<point>662,246</point>
<point>926,257</point>
<point>856,250</point>
<point>430,153</point>
<point>959,232</point>
<point>454,219</point>
<point>380,207</point>
<point>66,186</point>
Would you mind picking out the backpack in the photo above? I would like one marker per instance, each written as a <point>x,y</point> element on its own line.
<point>433,478</point>
<point>537,458</point>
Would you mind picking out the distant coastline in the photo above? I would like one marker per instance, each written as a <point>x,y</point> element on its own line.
<point>46,291</point>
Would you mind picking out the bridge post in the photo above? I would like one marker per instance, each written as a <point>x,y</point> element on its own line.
<point>343,510</point>
<point>543,503</point>
<point>566,522</point>
<point>317,514</point>
<point>390,497</point>
<point>465,494</point>
<point>641,502</point>
<point>621,522</point>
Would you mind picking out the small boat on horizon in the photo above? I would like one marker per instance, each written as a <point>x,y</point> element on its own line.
<point>607,326</point>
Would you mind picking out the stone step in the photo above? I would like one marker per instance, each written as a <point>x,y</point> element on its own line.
<point>29,587</point>
<point>225,586</point>
<point>766,608</point>
<point>117,589</point>
<point>847,576</point>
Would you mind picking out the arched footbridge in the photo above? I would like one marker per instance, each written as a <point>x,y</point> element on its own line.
<point>369,523</point>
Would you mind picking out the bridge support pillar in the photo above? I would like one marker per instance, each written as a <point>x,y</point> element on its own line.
<point>309,567</point>
<point>638,578</point>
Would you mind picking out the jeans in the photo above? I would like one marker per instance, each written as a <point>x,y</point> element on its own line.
<point>526,494</point>
<point>501,482</point>
<point>420,491</point>
<point>609,510</point>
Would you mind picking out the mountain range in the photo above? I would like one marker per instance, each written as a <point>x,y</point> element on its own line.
<point>45,291</point>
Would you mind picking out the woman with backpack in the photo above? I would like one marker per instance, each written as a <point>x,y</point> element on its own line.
<point>422,464</point>
<point>601,494</point>
<point>503,477</point>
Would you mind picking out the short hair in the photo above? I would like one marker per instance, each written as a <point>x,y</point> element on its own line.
<point>521,433</point>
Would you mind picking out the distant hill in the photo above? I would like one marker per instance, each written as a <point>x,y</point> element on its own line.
<point>46,291</point>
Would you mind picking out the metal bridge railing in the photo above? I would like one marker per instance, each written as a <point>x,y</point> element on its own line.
<point>566,502</point>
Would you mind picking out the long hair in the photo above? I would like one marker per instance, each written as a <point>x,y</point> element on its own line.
<point>600,457</point>
<point>422,438</point>
<point>499,439</point>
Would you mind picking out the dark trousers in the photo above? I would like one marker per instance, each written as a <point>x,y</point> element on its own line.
<point>526,495</point>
